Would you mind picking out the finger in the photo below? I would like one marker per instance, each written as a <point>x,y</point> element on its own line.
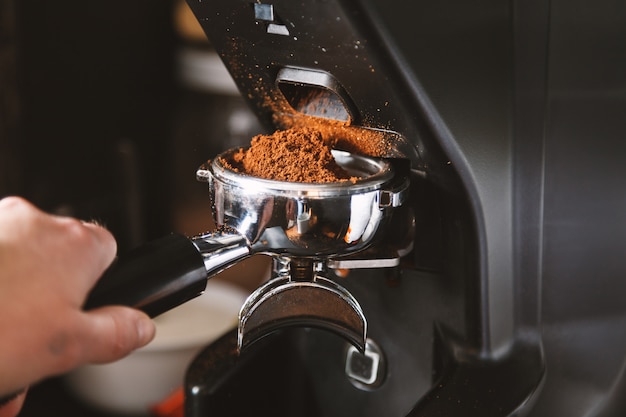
<point>12,408</point>
<point>112,332</point>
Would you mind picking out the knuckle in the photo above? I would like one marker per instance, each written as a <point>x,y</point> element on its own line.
<point>12,201</point>
<point>17,203</point>
<point>77,232</point>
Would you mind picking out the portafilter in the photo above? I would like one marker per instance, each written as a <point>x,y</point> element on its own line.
<point>300,225</point>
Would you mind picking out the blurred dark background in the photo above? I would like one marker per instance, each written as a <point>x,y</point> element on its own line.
<point>87,90</point>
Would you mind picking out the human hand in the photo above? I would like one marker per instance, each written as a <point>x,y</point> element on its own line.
<point>48,264</point>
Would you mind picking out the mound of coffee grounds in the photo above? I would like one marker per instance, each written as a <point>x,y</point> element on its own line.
<point>294,155</point>
<point>342,135</point>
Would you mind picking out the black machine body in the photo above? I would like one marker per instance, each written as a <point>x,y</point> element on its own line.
<point>508,299</point>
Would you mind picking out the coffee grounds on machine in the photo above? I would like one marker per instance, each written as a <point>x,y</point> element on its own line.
<point>294,155</point>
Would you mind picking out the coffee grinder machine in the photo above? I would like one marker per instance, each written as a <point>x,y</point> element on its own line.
<point>450,303</point>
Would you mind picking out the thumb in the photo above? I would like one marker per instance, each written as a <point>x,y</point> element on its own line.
<point>115,331</point>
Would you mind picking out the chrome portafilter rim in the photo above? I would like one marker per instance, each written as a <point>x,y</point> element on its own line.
<point>372,173</point>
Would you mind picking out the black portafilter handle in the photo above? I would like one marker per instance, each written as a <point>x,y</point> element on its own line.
<point>167,272</point>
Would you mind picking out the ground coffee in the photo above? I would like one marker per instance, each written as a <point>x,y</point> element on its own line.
<point>295,155</point>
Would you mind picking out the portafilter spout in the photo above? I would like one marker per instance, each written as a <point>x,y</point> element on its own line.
<point>290,220</point>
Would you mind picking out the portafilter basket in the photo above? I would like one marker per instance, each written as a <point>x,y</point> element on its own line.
<point>301,225</point>
<point>314,220</point>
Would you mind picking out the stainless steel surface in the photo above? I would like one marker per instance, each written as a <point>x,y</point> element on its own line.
<point>298,219</point>
<point>220,250</point>
<point>320,303</point>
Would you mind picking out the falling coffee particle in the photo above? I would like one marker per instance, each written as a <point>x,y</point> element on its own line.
<point>294,155</point>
